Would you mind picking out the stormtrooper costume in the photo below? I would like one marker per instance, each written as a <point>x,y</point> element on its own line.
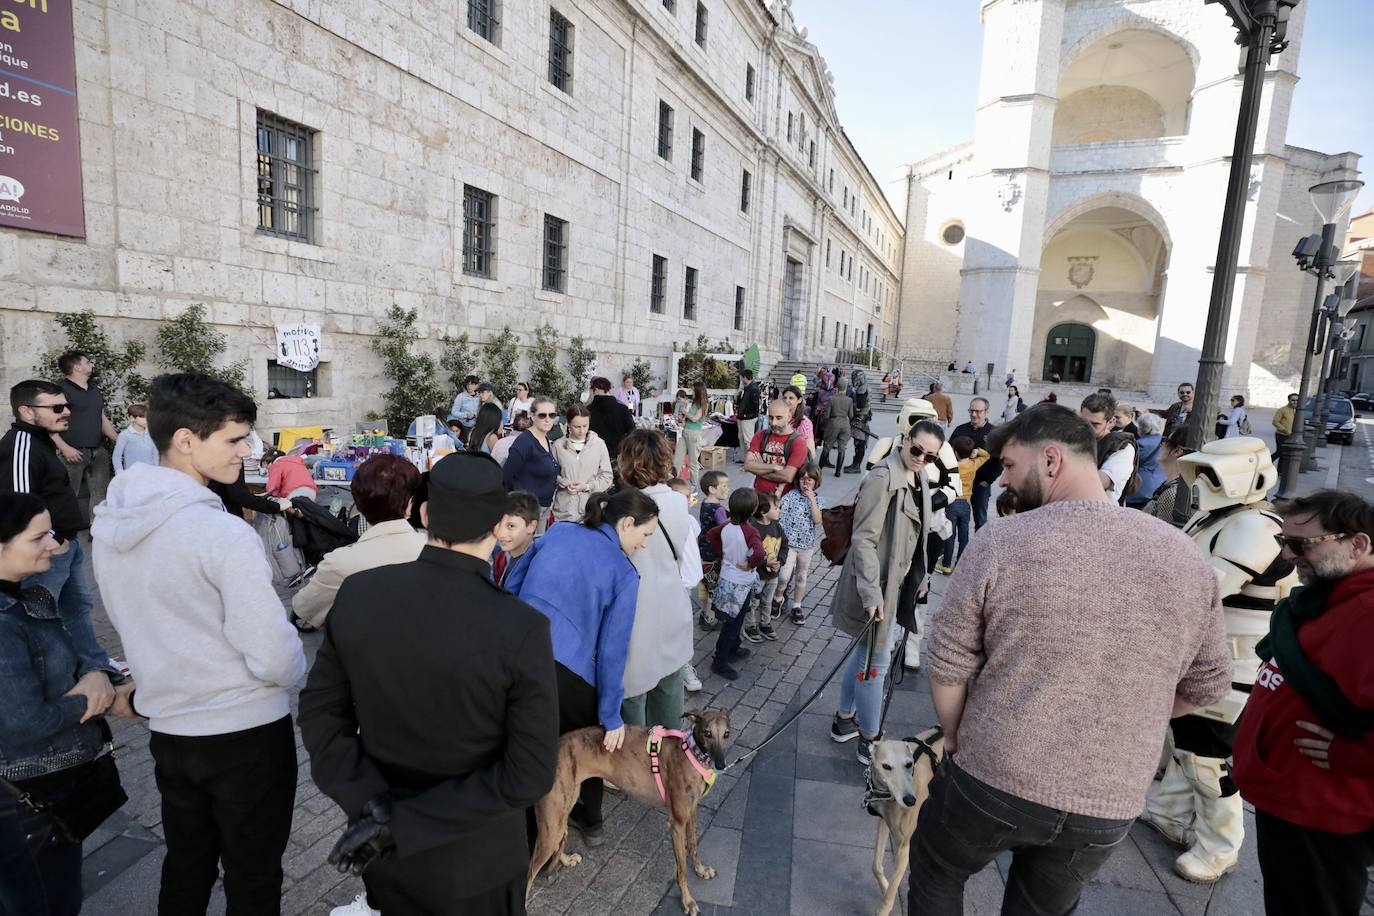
<point>1196,804</point>
<point>943,475</point>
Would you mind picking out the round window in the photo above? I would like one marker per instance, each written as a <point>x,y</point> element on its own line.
<point>952,234</point>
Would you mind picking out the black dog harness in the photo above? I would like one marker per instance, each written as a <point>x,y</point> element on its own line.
<point>874,794</point>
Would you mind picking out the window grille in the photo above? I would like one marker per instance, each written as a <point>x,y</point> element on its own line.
<point>482,18</point>
<point>479,230</point>
<point>689,294</point>
<point>286,178</point>
<point>560,52</point>
<point>658,290</point>
<point>555,253</point>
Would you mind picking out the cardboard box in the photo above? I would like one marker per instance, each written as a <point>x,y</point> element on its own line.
<point>713,458</point>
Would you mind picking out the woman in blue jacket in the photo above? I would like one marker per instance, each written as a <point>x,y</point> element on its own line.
<point>531,465</point>
<point>581,578</point>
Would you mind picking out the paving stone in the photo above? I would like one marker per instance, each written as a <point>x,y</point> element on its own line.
<point>831,813</point>
<point>731,812</point>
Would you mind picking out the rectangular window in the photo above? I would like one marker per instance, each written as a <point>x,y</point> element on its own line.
<point>289,383</point>
<point>827,253</point>
<point>555,253</point>
<point>830,185</point>
<point>822,340</point>
<point>560,52</point>
<point>658,291</point>
<point>846,195</point>
<point>744,191</point>
<point>811,155</point>
<point>789,127</point>
<point>665,131</point>
<point>739,308</point>
<point>701,24</point>
<point>689,294</point>
<point>482,18</point>
<point>749,82</point>
<point>842,262</point>
<point>286,178</point>
<point>837,335</point>
<point>479,231</point>
<point>698,154</point>
<point>851,268</point>
<point>801,132</point>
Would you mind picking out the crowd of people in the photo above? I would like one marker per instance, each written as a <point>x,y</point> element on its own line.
<point>554,591</point>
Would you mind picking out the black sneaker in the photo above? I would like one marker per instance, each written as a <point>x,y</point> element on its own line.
<point>592,834</point>
<point>767,631</point>
<point>724,670</point>
<point>708,624</point>
<point>752,634</point>
<point>843,729</point>
<point>865,750</point>
<point>775,612</point>
<point>797,615</point>
<point>739,653</point>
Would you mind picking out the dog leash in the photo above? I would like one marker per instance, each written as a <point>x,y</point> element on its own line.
<point>804,706</point>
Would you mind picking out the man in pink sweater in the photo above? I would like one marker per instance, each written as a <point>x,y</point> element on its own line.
<point>1054,688</point>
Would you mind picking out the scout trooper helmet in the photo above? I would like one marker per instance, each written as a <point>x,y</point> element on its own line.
<point>912,410</point>
<point>1229,472</point>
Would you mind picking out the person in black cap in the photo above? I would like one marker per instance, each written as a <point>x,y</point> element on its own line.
<point>431,713</point>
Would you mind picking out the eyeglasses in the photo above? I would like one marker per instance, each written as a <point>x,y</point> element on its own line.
<point>55,408</point>
<point>545,416</point>
<point>919,454</point>
<point>1299,545</point>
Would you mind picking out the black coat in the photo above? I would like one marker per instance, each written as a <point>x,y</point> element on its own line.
<point>315,531</point>
<point>435,686</point>
<point>610,419</point>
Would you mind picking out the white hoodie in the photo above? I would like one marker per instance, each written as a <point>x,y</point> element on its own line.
<point>187,586</point>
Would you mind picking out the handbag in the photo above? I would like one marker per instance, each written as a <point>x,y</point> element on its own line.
<point>81,800</point>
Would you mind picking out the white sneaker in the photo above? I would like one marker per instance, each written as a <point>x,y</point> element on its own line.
<point>690,681</point>
<point>358,907</point>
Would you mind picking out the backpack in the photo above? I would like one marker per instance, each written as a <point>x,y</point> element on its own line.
<point>1243,427</point>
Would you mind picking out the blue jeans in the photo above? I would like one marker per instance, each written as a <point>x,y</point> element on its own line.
<point>42,883</point>
<point>865,699</point>
<point>982,493</point>
<point>69,580</point>
<point>960,513</point>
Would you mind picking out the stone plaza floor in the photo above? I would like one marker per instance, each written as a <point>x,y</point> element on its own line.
<point>786,833</point>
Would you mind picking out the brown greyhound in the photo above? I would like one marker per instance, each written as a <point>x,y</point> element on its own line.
<point>678,786</point>
<point>900,779</point>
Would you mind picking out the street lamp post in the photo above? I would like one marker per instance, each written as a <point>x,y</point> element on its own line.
<point>1337,306</point>
<point>1261,27</point>
<point>1332,200</point>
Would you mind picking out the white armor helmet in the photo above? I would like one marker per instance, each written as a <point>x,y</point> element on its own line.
<point>1229,472</point>
<point>912,410</point>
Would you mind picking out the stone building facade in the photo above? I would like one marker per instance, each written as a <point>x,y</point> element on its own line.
<point>637,172</point>
<point>1076,234</point>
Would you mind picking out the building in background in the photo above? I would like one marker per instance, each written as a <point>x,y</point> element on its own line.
<point>637,172</point>
<point>1075,235</point>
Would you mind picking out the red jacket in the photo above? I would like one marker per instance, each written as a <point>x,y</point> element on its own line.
<point>288,473</point>
<point>1272,775</point>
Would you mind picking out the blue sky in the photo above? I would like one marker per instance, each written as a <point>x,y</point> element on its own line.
<point>906,76</point>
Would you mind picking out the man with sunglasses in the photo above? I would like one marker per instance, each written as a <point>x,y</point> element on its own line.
<point>29,463</point>
<point>1304,753</point>
<point>977,428</point>
<point>1177,414</point>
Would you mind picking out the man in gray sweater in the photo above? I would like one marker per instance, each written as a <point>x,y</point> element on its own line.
<point>1053,688</point>
<point>187,586</point>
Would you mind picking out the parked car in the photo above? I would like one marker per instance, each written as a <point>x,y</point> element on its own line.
<point>1363,402</point>
<point>1340,418</point>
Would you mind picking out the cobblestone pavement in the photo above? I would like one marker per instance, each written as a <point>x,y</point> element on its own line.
<point>786,833</point>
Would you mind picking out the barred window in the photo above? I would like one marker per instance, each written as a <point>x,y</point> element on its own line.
<point>560,51</point>
<point>749,82</point>
<point>285,382</point>
<point>739,308</point>
<point>555,253</point>
<point>698,154</point>
<point>658,291</point>
<point>689,294</point>
<point>479,231</point>
<point>744,188</point>
<point>701,24</point>
<point>286,178</point>
<point>665,131</point>
<point>483,19</point>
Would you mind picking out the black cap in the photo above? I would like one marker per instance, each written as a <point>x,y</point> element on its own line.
<point>485,386</point>
<point>466,496</point>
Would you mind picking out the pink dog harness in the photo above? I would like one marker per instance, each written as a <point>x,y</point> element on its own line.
<point>689,747</point>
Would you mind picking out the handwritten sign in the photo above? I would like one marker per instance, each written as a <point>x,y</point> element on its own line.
<point>298,346</point>
<point>40,152</point>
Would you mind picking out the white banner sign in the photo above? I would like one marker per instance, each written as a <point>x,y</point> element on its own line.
<point>298,346</point>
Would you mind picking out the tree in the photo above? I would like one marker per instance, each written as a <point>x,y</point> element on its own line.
<point>188,344</point>
<point>414,390</point>
<point>547,379</point>
<point>581,361</point>
<point>500,363</point>
<point>116,367</point>
<point>458,359</point>
<point>643,374</point>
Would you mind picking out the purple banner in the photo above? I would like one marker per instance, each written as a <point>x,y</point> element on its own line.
<point>40,152</point>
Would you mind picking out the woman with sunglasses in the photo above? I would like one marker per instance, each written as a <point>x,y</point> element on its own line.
<point>884,572</point>
<point>50,726</point>
<point>531,464</point>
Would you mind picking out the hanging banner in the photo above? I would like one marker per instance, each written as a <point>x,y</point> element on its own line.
<point>40,152</point>
<point>298,346</point>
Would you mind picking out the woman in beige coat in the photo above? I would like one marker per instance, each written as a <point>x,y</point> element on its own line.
<point>584,466</point>
<point>883,574</point>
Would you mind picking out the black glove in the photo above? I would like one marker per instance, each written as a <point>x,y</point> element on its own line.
<point>365,840</point>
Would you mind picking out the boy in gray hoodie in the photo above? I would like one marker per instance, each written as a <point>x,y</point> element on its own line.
<point>187,586</point>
